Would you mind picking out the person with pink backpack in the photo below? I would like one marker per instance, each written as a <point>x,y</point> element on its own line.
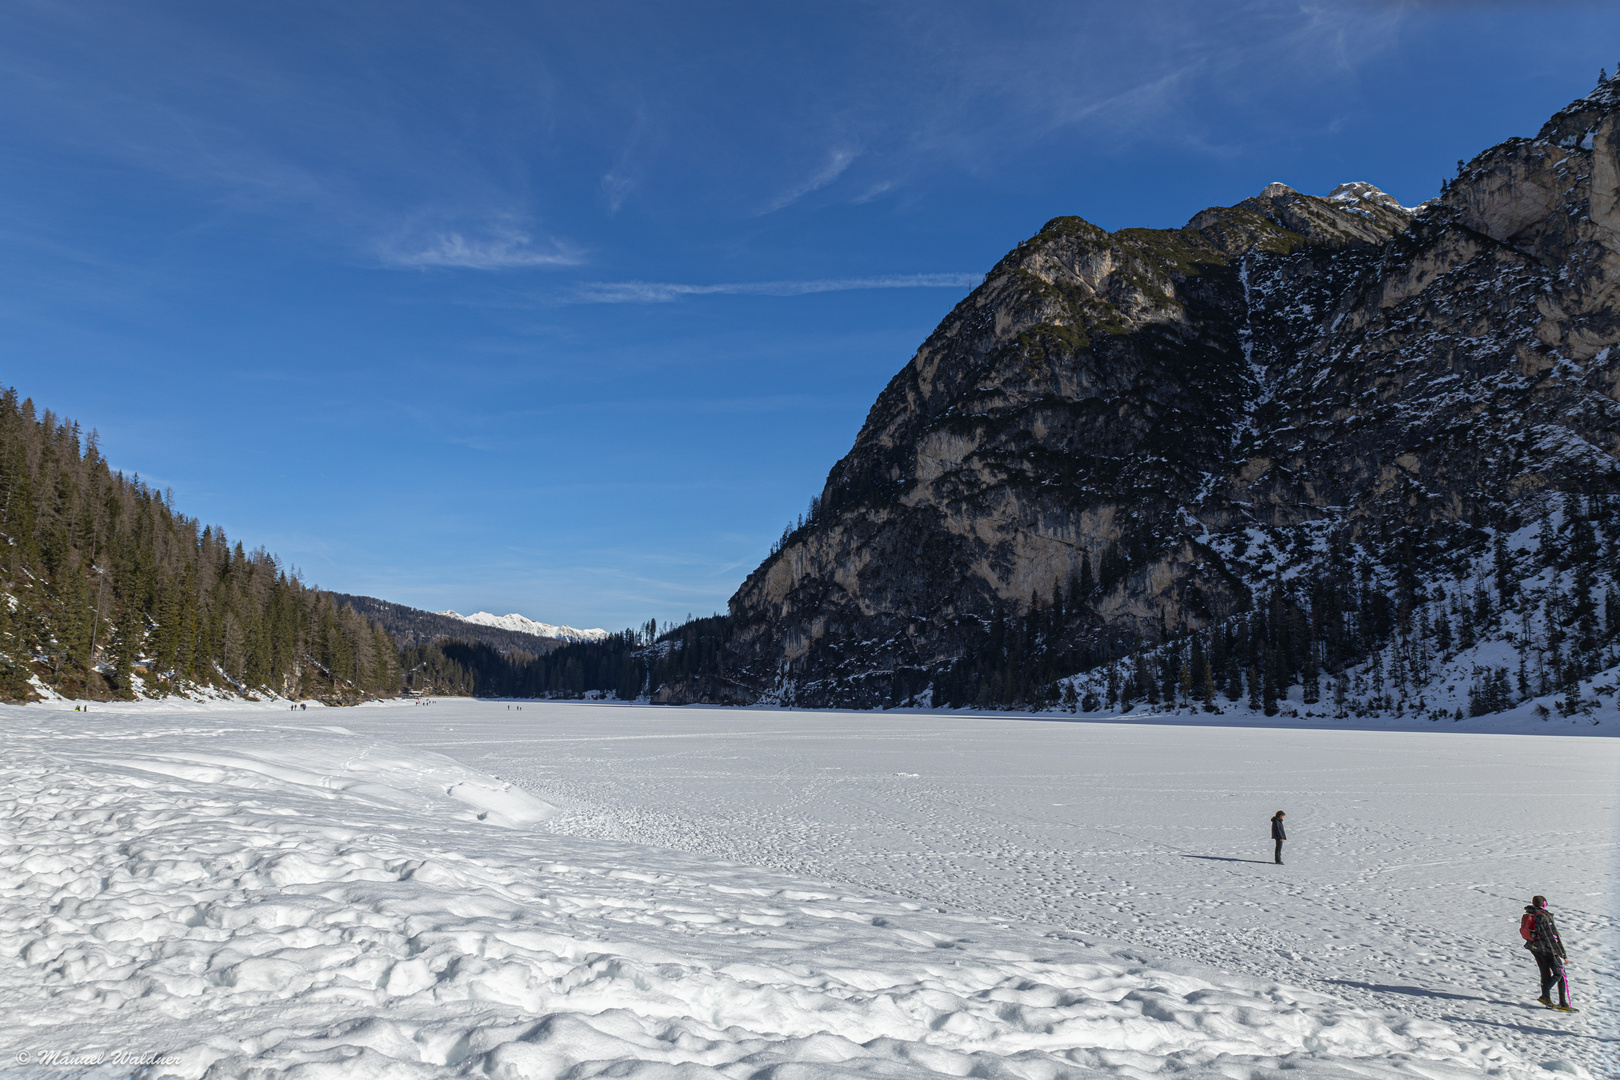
<point>1540,935</point>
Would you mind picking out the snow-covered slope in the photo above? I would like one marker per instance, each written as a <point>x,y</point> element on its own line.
<point>525,625</point>
<point>228,896</point>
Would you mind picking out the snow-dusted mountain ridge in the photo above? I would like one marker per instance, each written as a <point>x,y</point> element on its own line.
<point>522,624</point>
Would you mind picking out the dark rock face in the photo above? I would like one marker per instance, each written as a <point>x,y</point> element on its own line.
<point>1098,420</point>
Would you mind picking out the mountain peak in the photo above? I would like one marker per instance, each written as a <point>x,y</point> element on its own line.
<point>522,624</point>
<point>1569,125</point>
<point>1358,191</point>
<point>1355,214</point>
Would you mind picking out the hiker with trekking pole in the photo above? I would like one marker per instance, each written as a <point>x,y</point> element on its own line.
<point>1540,935</point>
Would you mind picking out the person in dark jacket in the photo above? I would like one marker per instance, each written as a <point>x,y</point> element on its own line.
<point>1541,938</point>
<point>1278,835</point>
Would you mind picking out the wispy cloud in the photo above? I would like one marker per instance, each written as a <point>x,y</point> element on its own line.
<point>838,159</point>
<point>659,292</point>
<point>508,249</point>
<point>616,187</point>
<point>1159,72</point>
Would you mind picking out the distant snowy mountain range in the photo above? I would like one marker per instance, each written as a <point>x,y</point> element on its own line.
<point>522,624</point>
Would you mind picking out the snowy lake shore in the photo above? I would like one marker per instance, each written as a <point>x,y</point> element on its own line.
<point>568,890</point>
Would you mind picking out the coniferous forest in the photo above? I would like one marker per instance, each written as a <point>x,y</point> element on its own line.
<point>1528,609</point>
<point>111,591</point>
<point>648,662</point>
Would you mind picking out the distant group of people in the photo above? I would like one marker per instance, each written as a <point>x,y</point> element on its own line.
<point>1537,928</point>
<point>298,706</point>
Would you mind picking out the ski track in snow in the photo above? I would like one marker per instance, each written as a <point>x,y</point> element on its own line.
<point>577,891</point>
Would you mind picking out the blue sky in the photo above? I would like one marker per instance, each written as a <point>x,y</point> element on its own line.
<point>567,308</point>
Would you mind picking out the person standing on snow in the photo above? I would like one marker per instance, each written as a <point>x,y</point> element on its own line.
<point>1278,835</point>
<point>1540,935</point>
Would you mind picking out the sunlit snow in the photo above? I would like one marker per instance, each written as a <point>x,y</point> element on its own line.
<point>475,888</point>
<point>522,624</point>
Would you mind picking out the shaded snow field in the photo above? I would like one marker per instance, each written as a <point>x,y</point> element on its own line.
<point>597,890</point>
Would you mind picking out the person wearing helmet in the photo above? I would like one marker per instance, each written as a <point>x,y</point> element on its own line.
<point>1540,935</point>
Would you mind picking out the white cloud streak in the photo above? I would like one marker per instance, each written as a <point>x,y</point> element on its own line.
<point>837,161</point>
<point>660,292</point>
<point>510,250</point>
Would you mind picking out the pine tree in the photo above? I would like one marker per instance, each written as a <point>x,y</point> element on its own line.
<point>1268,692</point>
<point>124,646</point>
<point>1234,673</point>
<point>1547,551</point>
<point>1504,570</point>
<point>1200,669</point>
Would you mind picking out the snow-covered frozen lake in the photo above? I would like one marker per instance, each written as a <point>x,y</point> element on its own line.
<point>701,892</point>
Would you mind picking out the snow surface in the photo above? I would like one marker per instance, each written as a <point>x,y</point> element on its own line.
<point>525,625</point>
<point>470,888</point>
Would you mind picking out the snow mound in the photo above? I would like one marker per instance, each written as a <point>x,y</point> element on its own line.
<point>235,900</point>
<point>522,624</point>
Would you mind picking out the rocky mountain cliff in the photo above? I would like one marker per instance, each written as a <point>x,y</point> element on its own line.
<point>1306,411</point>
